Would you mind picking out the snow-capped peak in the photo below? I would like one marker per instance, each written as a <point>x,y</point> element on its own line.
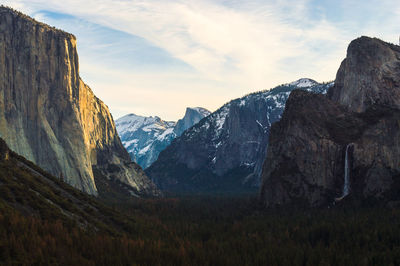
<point>204,112</point>
<point>304,82</point>
<point>132,122</point>
<point>145,137</point>
<point>129,122</point>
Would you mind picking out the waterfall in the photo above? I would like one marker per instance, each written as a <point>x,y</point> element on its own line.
<point>346,185</point>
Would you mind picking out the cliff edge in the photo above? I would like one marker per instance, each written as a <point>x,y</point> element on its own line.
<point>345,145</point>
<point>49,115</point>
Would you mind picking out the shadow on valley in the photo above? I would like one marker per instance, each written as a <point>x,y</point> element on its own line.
<point>45,221</point>
<point>209,232</point>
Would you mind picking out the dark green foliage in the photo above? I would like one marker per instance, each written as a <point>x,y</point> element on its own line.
<point>44,221</point>
<point>209,231</point>
<point>203,182</point>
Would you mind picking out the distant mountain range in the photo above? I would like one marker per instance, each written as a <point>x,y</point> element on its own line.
<point>145,137</point>
<point>225,151</point>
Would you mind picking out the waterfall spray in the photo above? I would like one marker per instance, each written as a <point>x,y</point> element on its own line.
<point>346,185</point>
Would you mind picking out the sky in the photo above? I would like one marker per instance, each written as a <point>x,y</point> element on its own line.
<point>157,57</point>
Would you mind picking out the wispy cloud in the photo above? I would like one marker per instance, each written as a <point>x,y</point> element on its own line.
<point>214,50</point>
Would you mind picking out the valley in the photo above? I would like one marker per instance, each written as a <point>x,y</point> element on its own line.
<point>45,221</point>
<point>304,173</point>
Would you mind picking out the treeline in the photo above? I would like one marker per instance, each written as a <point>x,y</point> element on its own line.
<point>24,16</point>
<point>209,232</point>
<point>44,221</point>
<point>31,241</point>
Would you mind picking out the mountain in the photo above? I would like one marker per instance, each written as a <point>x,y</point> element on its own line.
<point>192,117</point>
<point>344,146</point>
<point>50,116</point>
<point>30,190</point>
<point>225,151</point>
<point>146,137</point>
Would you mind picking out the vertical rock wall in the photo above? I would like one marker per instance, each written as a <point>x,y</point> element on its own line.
<point>49,115</point>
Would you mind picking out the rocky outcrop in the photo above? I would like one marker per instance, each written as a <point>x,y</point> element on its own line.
<point>306,156</point>
<point>145,137</point>
<point>369,75</point>
<point>49,115</point>
<point>191,118</point>
<point>225,151</point>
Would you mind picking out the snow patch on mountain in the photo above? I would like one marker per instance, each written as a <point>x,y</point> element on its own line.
<point>303,83</point>
<point>202,111</point>
<point>255,110</point>
<point>220,118</point>
<point>145,137</point>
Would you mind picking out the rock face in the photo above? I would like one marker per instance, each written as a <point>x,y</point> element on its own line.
<point>191,118</point>
<point>369,75</point>
<point>146,137</point>
<point>306,155</point>
<point>47,113</point>
<point>225,151</point>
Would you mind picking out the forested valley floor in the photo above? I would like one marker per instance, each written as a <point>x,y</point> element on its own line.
<point>44,221</point>
<point>206,231</point>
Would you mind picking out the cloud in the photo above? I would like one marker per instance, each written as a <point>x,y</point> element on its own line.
<point>222,49</point>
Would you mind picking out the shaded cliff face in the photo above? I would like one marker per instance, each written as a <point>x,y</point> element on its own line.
<point>225,151</point>
<point>306,156</point>
<point>47,113</point>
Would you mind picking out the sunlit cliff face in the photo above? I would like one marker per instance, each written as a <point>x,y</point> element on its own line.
<point>49,115</point>
<point>157,57</point>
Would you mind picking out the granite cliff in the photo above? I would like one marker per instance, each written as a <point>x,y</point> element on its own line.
<point>359,119</point>
<point>50,116</point>
<point>225,151</point>
<point>192,116</point>
<point>369,75</point>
